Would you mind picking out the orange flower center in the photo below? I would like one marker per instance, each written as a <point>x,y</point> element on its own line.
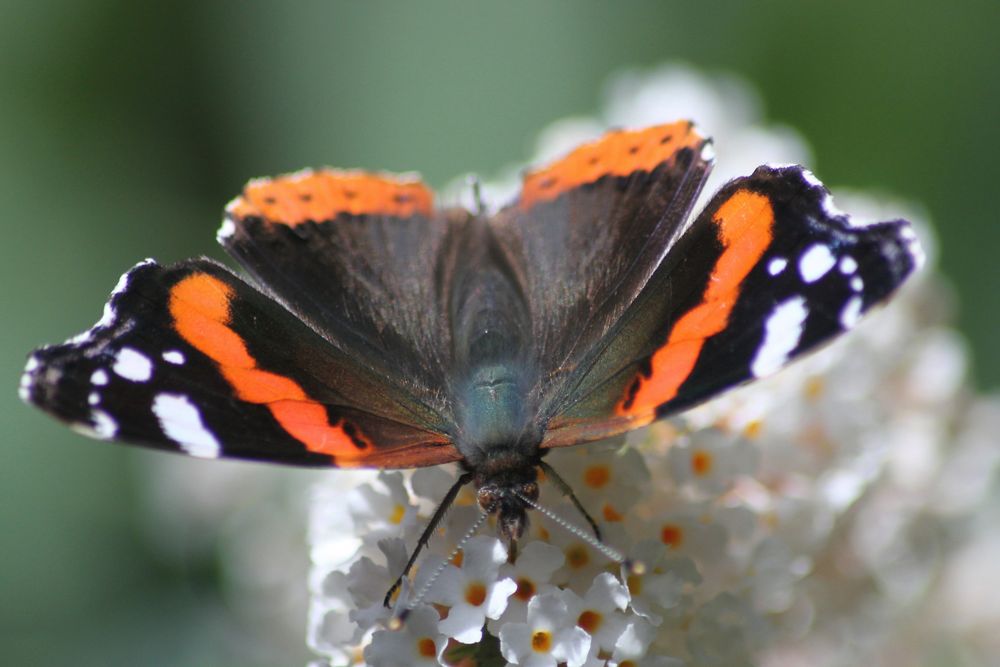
<point>475,593</point>
<point>590,621</point>
<point>634,583</point>
<point>525,589</point>
<point>596,476</point>
<point>577,556</point>
<point>426,647</point>
<point>701,463</point>
<point>611,514</point>
<point>541,641</point>
<point>672,535</point>
<point>753,429</point>
<point>397,514</point>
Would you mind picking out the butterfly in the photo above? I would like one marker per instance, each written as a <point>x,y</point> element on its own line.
<point>378,330</point>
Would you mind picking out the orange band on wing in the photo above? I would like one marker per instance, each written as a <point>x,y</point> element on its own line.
<point>199,305</point>
<point>745,224</point>
<point>619,153</point>
<point>323,195</point>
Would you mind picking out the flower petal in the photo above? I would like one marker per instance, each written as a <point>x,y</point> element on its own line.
<point>497,596</point>
<point>515,642</point>
<point>571,645</point>
<point>464,623</point>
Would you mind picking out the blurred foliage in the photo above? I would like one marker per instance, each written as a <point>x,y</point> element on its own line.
<point>125,127</point>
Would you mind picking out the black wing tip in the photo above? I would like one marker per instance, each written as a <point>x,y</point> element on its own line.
<point>43,385</point>
<point>797,181</point>
<point>45,369</point>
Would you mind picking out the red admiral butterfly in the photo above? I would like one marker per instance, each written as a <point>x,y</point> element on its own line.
<point>380,331</point>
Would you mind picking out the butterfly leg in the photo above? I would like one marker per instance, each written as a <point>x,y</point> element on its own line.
<point>425,537</point>
<point>568,492</point>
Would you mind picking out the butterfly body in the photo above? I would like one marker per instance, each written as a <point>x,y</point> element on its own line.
<point>376,330</point>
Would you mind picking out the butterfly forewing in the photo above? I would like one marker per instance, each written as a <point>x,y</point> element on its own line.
<point>191,358</point>
<point>366,260</point>
<point>768,272</point>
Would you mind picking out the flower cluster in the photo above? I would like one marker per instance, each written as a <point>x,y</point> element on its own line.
<point>794,521</point>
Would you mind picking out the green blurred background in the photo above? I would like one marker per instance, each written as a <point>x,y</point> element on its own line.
<point>125,127</point>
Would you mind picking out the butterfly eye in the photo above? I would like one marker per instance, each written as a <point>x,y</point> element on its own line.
<point>529,490</point>
<point>488,497</point>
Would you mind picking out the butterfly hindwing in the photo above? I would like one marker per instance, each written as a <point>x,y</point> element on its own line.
<point>191,358</point>
<point>768,272</point>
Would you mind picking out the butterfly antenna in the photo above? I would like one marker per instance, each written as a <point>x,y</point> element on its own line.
<point>425,537</point>
<point>398,620</point>
<point>567,491</point>
<point>610,552</point>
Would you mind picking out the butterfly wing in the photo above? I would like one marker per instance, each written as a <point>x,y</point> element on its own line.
<point>588,231</point>
<point>768,272</point>
<point>365,260</point>
<point>191,358</point>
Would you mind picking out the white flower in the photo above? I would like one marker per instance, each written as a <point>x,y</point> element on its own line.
<point>367,584</point>
<point>662,583</point>
<point>473,592</point>
<point>417,642</point>
<point>607,477</point>
<point>712,461</point>
<point>383,507</point>
<point>631,647</point>
<point>599,612</point>
<point>690,530</point>
<point>536,563</point>
<point>550,635</point>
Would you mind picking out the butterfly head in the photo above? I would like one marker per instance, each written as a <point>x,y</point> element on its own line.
<point>503,481</point>
<point>511,511</point>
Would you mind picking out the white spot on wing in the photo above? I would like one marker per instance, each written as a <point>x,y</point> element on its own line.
<point>93,398</point>
<point>27,379</point>
<point>829,208</point>
<point>85,336</point>
<point>174,357</point>
<point>848,265</point>
<point>99,377</point>
<point>133,365</point>
<point>109,314</point>
<point>811,179</point>
<point>181,422</point>
<point>777,265</point>
<point>708,151</point>
<point>815,262</point>
<point>226,230</point>
<point>782,332</point>
<point>857,284</point>
<point>851,313</point>
<point>105,427</point>
<point>122,283</point>
<point>24,388</point>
